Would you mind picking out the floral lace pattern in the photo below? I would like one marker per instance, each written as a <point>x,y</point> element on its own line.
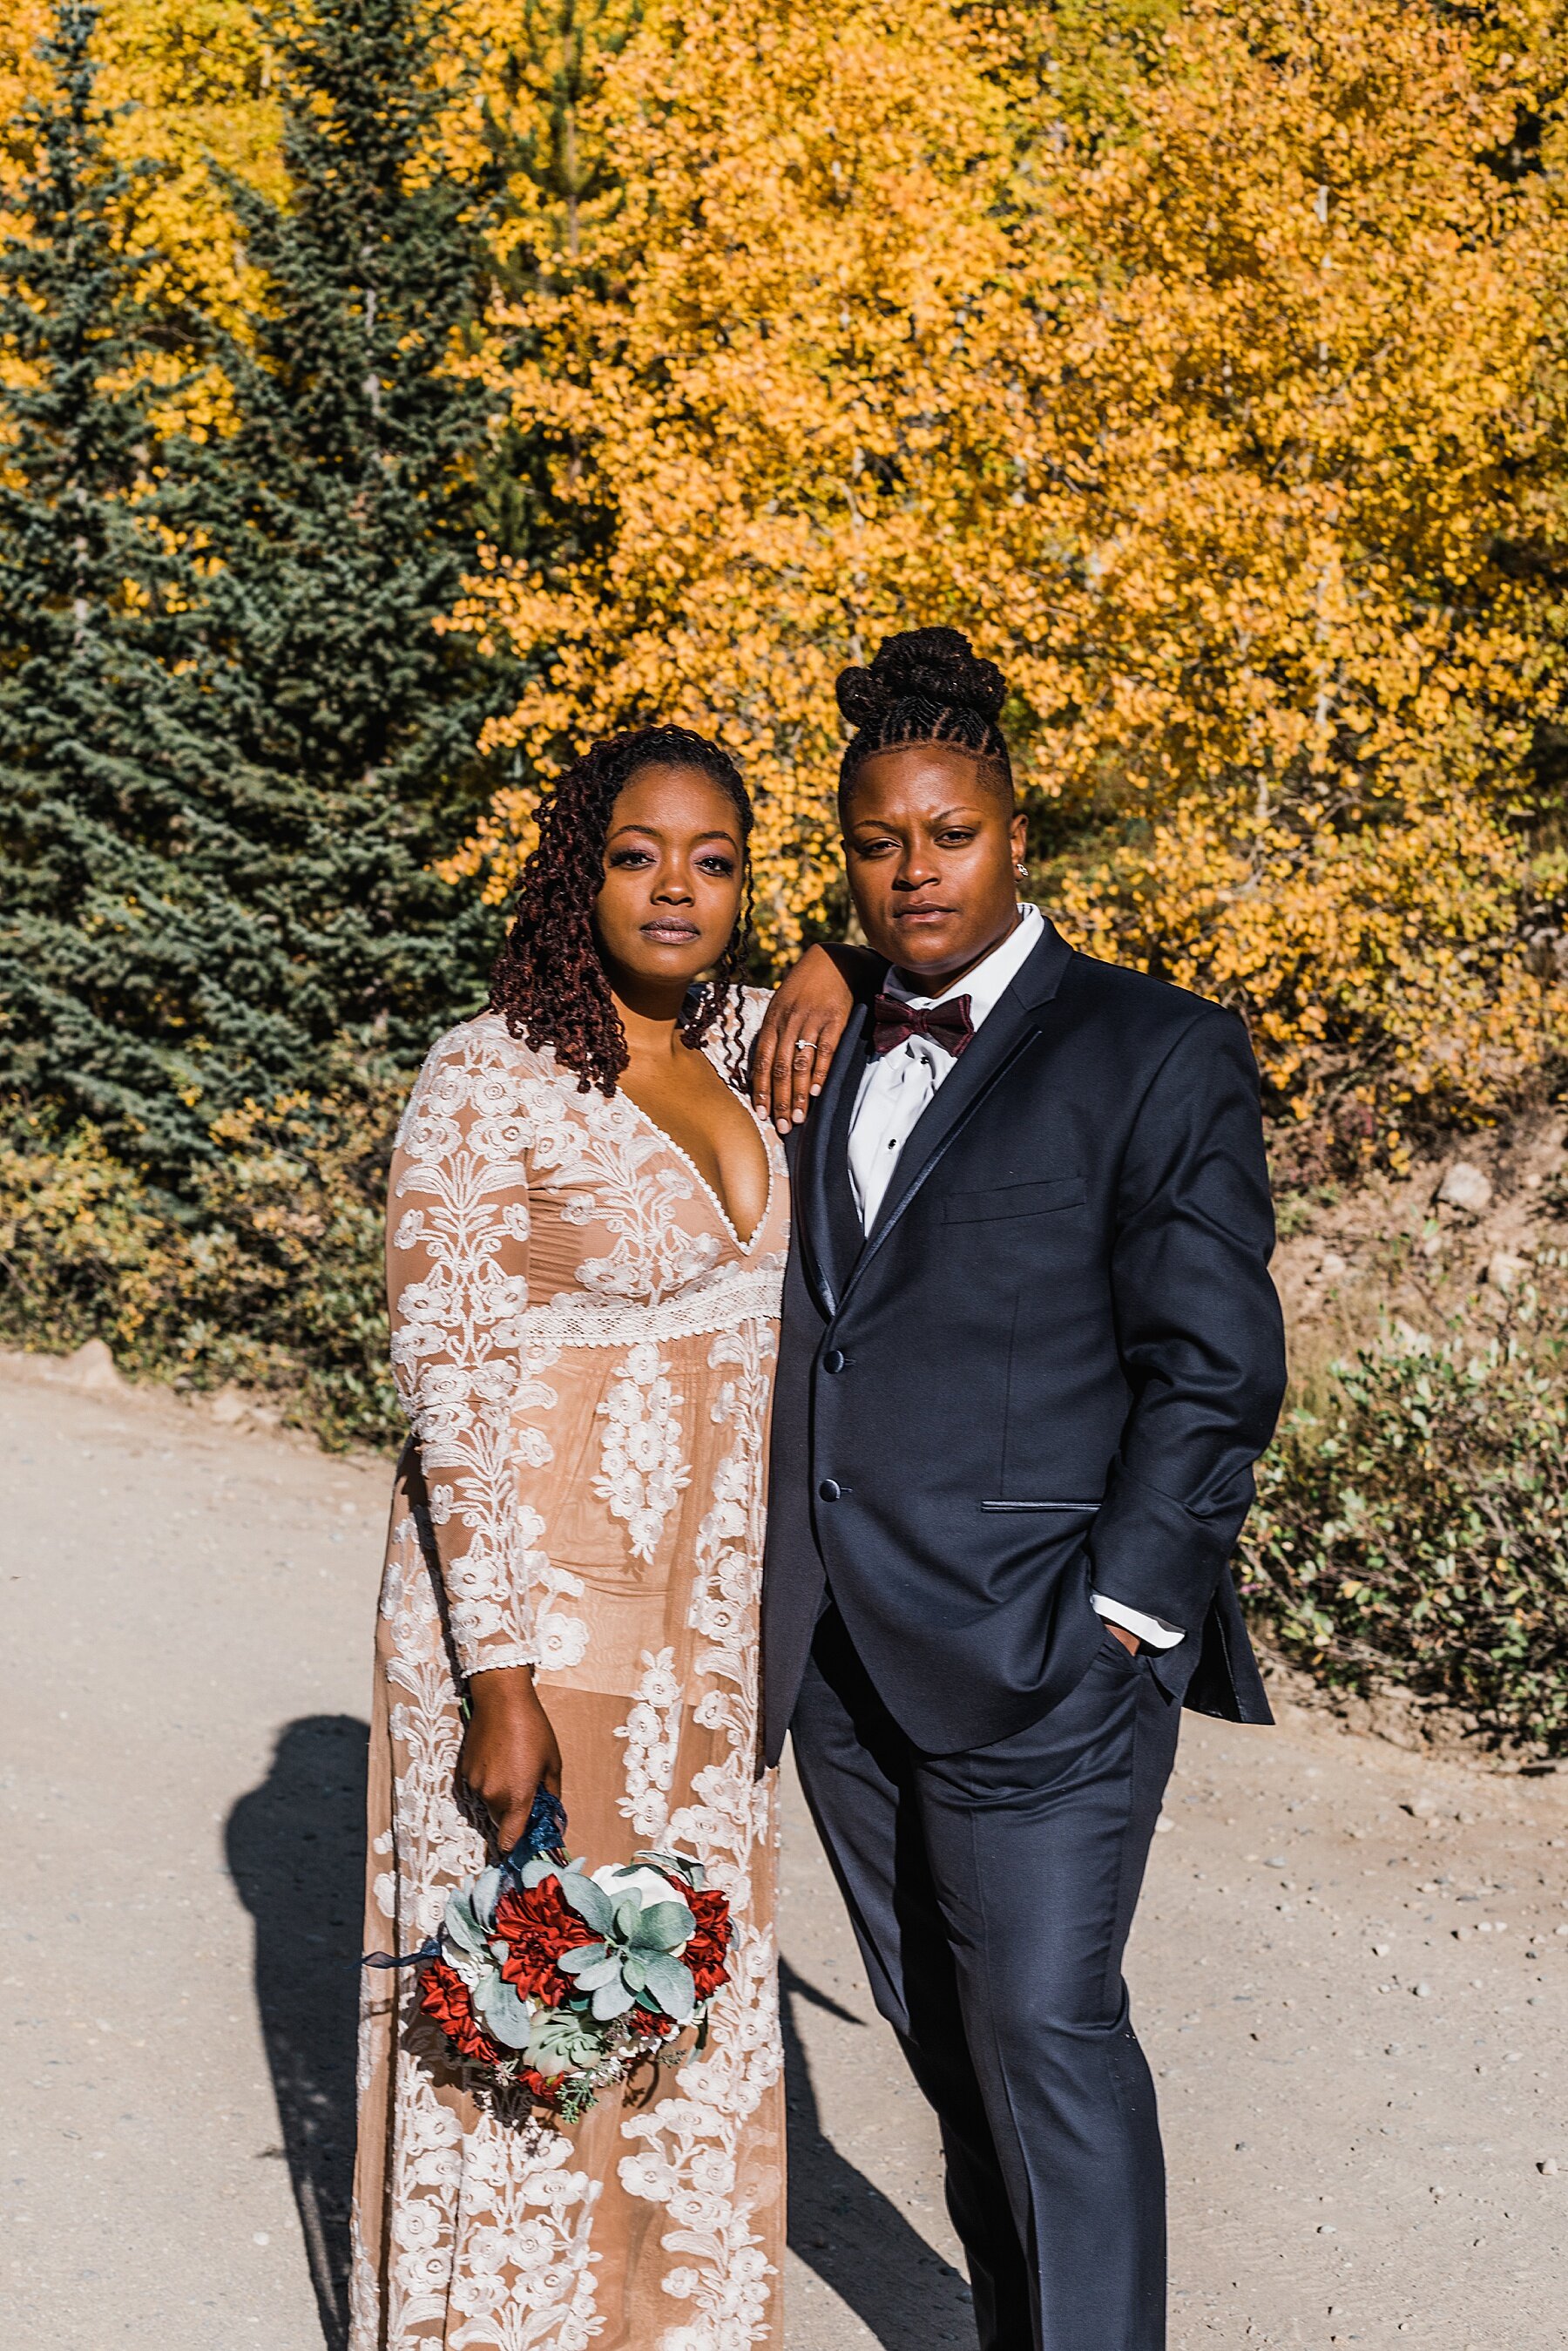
<point>642,1472</point>
<point>652,1735</point>
<point>584,1348</point>
<point>459,1277</point>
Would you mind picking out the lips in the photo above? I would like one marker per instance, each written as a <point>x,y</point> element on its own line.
<point>671,935</point>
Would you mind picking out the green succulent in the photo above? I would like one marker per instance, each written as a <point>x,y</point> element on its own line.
<point>561,2043</point>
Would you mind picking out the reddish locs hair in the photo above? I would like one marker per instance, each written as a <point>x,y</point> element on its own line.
<point>549,983</point>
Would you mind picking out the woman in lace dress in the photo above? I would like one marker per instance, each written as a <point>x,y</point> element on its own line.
<point>586,1233</point>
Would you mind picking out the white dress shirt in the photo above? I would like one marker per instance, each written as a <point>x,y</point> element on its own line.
<point>896,1090</point>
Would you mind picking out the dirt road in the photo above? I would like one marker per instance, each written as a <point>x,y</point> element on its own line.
<point>1351,1970</point>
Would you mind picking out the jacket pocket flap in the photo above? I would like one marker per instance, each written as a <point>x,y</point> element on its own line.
<point>1016,1200</point>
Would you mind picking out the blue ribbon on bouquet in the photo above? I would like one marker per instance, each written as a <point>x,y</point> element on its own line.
<point>546,1834</point>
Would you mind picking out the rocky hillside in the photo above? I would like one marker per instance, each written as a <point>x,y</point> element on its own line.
<point>1461,1238</point>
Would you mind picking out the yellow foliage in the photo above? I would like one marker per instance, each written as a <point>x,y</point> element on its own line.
<point>185,83</point>
<point>750,346</point>
<point>1197,371</point>
<point>22,77</point>
<point>1199,357</point>
<point>189,82</point>
<point>194,79</point>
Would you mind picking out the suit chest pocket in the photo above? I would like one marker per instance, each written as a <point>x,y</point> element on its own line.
<point>1037,1199</point>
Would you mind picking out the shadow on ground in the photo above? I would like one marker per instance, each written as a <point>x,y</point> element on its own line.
<point>296,1849</point>
<point>844,2228</point>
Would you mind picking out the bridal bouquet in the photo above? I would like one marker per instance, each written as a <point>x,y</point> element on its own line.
<point>563,1980</point>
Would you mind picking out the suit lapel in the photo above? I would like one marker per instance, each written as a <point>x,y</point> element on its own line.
<point>828,1228</point>
<point>843,1216</point>
<point>1003,1036</point>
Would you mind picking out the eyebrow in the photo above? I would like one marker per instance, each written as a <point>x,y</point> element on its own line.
<point>943,816</point>
<point>652,832</point>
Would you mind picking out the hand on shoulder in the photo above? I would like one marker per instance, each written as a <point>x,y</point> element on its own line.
<point>802,1029</point>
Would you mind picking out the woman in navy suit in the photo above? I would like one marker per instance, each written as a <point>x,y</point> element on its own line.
<point>1030,1353</point>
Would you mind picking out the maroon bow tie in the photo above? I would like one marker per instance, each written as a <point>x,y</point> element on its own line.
<point>946,1024</point>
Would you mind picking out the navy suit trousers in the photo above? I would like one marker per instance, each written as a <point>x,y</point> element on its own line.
<point>991,1893</point>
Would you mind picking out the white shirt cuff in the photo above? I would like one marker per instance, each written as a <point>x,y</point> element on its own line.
<point>1154,1630</point>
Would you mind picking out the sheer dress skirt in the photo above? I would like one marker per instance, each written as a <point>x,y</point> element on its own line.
<point>592,1503</point>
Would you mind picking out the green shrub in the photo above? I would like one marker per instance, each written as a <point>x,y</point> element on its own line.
<point>1415,1530</point>
<point>270,1274</point>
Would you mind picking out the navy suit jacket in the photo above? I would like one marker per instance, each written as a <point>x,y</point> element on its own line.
<point>1049,1367</point>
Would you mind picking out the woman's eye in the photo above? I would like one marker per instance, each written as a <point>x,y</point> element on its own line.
<point>958,838</point>
<point>630,857</point>
<point>725,865</point>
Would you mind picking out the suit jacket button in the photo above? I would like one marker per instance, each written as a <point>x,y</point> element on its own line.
<point>834,1360</point>
<point>828,1490</point>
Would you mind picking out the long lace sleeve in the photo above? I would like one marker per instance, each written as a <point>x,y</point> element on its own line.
<point>457,1282</point>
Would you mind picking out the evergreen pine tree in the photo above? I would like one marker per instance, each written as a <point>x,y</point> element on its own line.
<point>343,511</point>
<point>121,884</point>
<point>232,735</point>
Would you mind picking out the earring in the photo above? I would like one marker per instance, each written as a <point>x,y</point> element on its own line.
<point>1021,872</point>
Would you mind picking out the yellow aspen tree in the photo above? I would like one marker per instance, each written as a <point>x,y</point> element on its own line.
<point>22,77</point>
<point>188,85</point>
<point>1302,678</point>
<point>194,79</point>
<point>1190,357</point>
<point>747,375</point>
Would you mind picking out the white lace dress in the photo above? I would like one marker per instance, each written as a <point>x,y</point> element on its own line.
<point>585,1347</point>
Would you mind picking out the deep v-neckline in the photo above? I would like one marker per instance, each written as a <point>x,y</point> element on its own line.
<point>713,1198</point>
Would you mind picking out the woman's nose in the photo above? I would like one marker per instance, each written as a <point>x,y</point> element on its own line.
<point>672,889</point>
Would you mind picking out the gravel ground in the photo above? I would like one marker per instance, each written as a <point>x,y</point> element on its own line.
<point>1349,1970</point>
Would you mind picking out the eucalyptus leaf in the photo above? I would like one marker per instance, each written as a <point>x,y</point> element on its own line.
<point>586,1955</point>
<point>534,1873</point>
<point>603,1972</point>
<point>628,1917</point>
<point>612,2000</point>
<point>663,1927</point>
<point>463,1927</point>
<point>681,1864</point>
<point>633,1972</point>
<point>485,1892</point>
<point>502,2013</point>
<point>589,1901</point>
<point>671,1986</point>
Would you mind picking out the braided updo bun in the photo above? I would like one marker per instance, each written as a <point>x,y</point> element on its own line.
<point>925,685</point>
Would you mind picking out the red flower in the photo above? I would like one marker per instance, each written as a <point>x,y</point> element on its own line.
<point>444,1996</point>
<point>536,1927</point>
<point>649,2026</point>
<point>705,1954</point>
